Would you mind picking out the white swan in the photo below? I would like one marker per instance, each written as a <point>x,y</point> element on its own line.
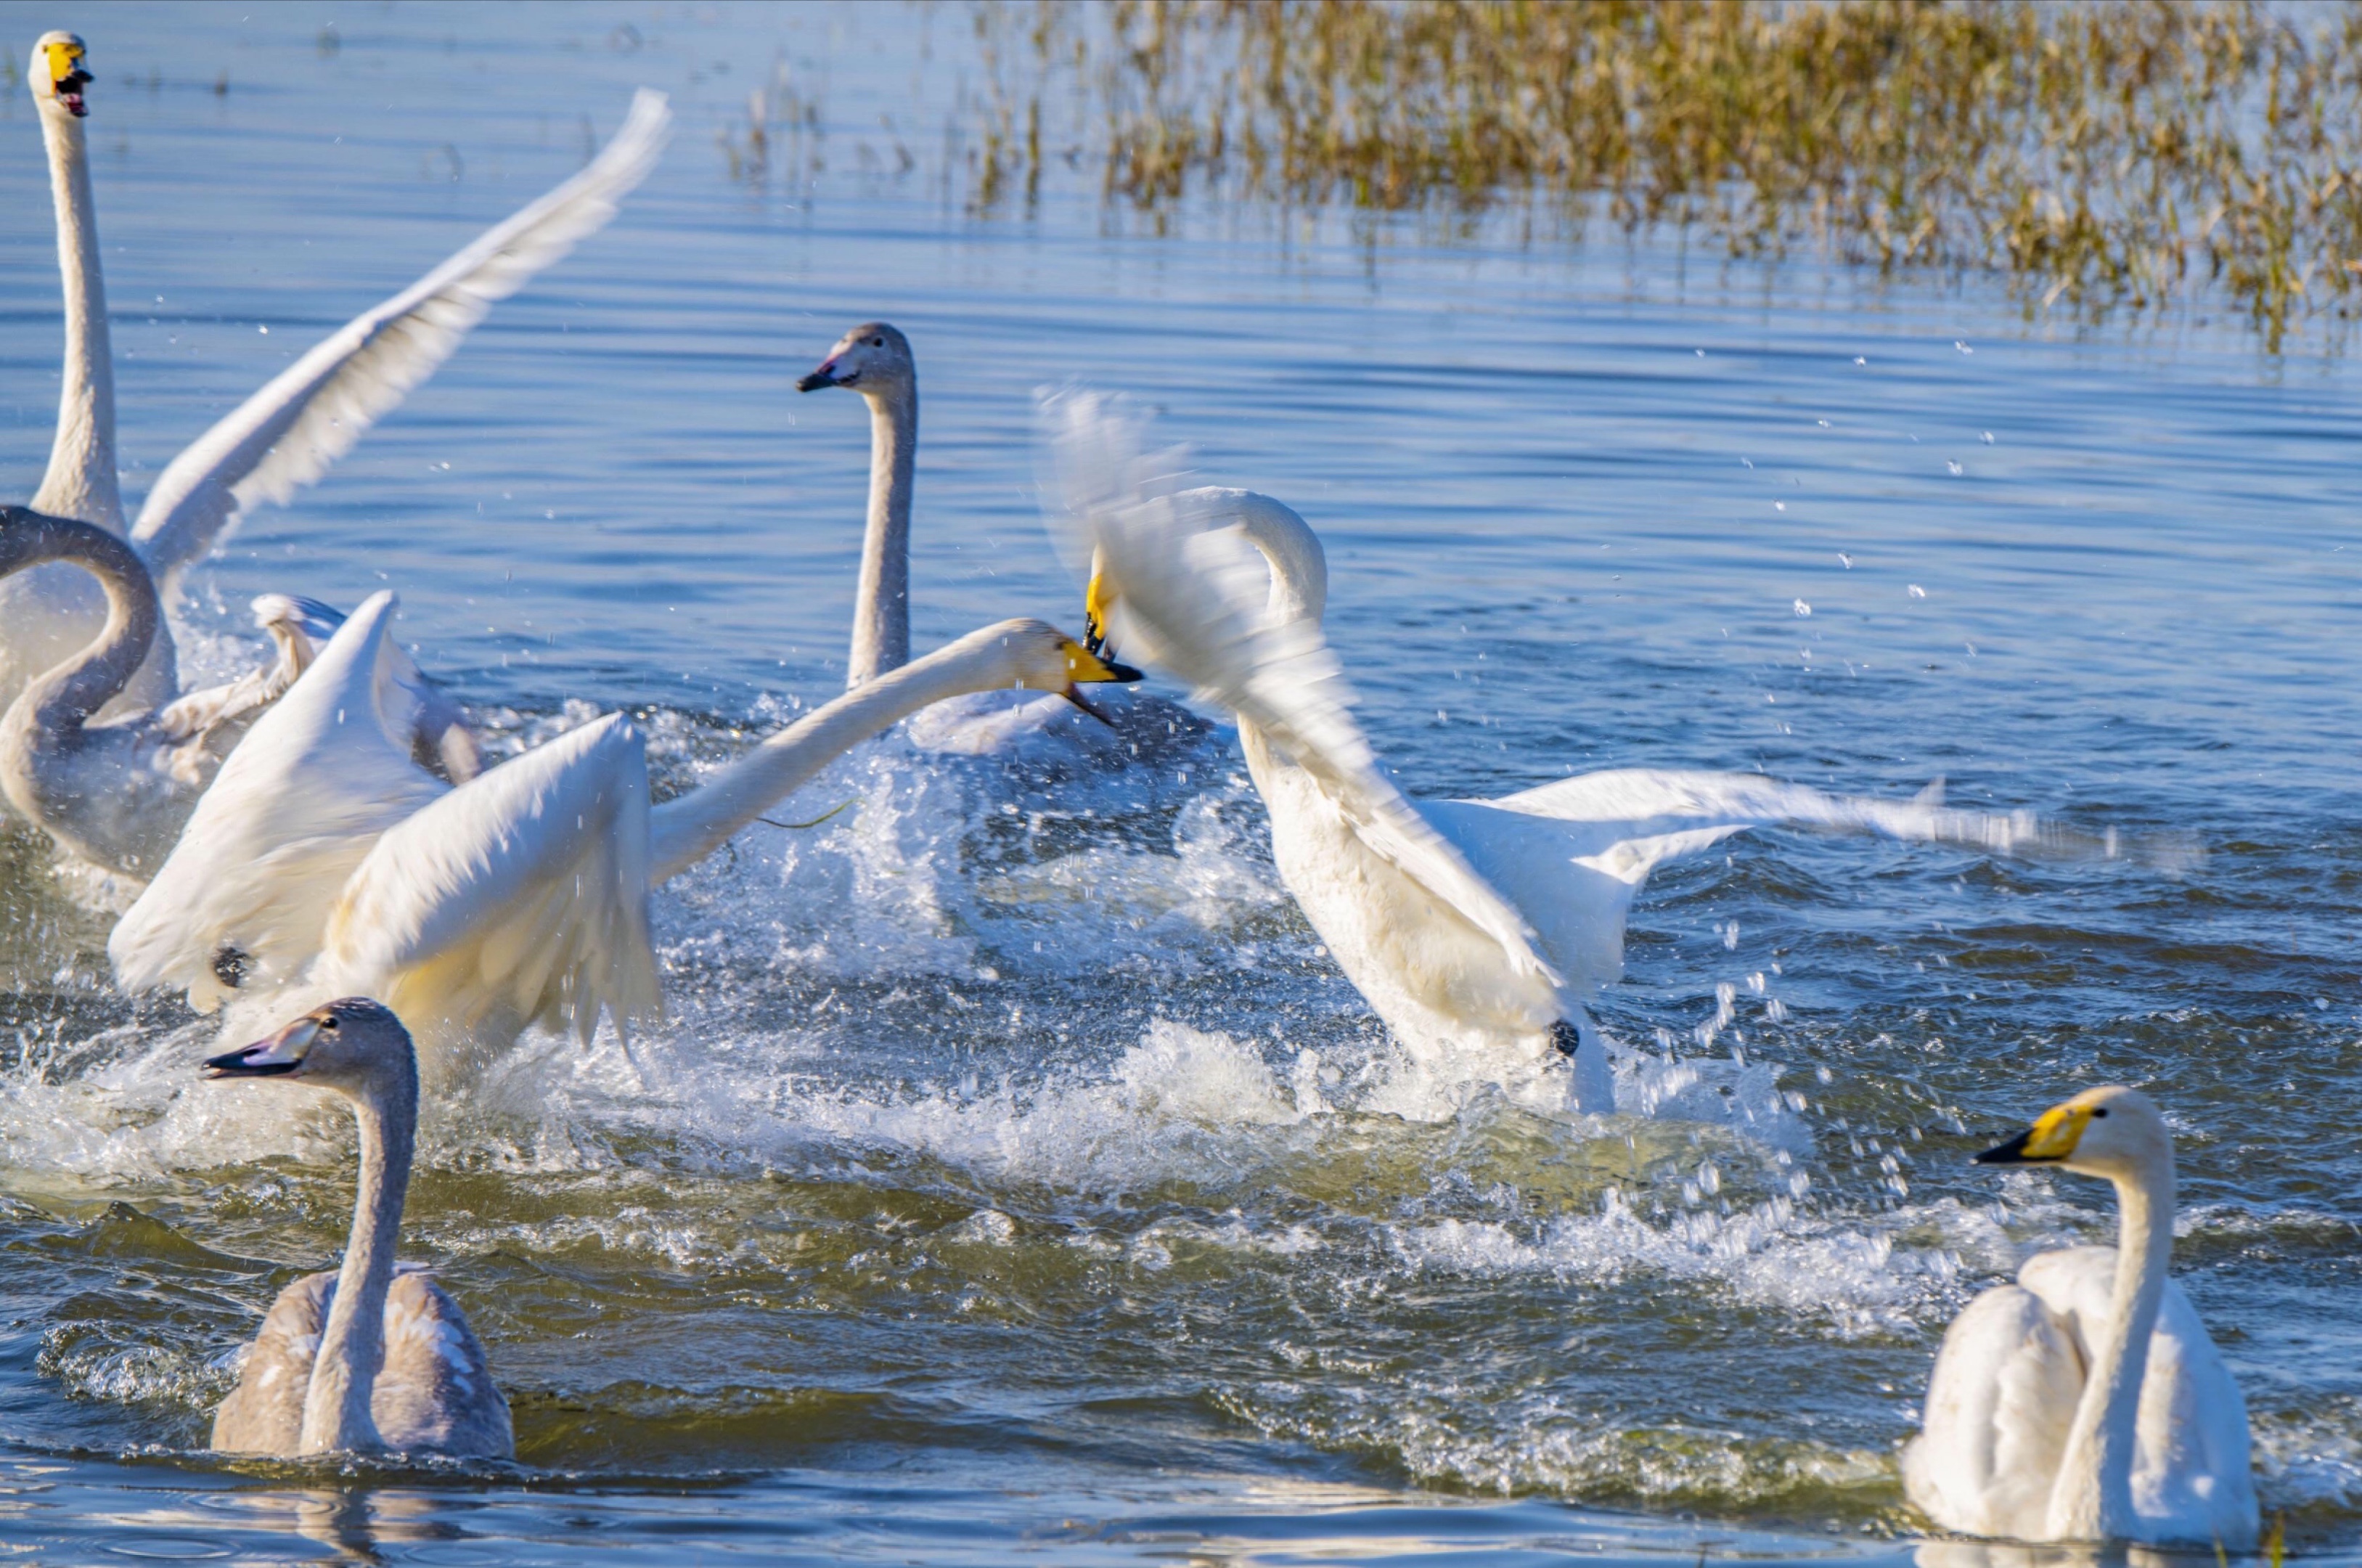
<point>363,1358</point>
<point>321,860</point>
<point>2085,1402</point>
<point>1475,926</point>
<point>285,436</point>
<point>875,361</point>
<point>115,791</point>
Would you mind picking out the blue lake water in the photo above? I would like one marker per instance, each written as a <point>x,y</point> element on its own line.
<point>1015,1178</point>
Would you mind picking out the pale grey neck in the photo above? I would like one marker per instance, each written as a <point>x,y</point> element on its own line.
<point>81,480</point>
<point>881,604</point>
<point>352,1345</point>
<point>65,697</point>
<point>2093,1498</point>
<point>685,831</point>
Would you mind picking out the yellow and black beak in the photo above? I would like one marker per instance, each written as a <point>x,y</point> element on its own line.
<point>276,1057</point>
<point>1092,667</point>
<point>68,77</point>
<point>2051,1139</point>
<point>1095,609</point>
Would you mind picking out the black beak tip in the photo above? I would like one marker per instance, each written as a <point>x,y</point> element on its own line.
<point>817,380</point>
<point>2010,1154</point>
<point>1122,674</point>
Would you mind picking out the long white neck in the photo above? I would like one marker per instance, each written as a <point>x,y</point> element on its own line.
<point>684,831</point>
<point>352,1346</point>
<point>2093,1498</point>
<point>81,482</point>
<point>881,604</point>
<point>1299,567</point>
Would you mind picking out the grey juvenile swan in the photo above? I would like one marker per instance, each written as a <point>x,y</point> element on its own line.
<point>364,1358</point>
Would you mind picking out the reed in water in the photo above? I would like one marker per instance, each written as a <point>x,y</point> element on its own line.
<point>2121,156</point>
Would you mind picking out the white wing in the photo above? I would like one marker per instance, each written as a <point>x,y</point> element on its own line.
<point>286,436</point>
<point>521,897</point>
<point>1196,598</point>
<point>1998,1406</point>
<point>1572,854</point>
<point>266,854</point>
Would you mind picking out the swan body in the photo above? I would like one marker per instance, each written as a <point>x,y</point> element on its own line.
<point>1476,927</point>
<point>115,791</point>
<point>371,1357</point>
<point>2086,1402</point>
<point>285,436</point>
<point>322,860</point>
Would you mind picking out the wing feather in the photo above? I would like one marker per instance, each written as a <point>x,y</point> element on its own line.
<point>521,897</point>
<point>293,811</point>
<point>2000,1402</point>
<point>287,435</point>
<point>1197,598</point>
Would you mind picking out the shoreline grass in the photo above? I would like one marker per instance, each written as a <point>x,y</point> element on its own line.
<point>2130,156</point>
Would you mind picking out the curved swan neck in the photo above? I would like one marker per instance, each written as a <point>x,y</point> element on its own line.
<point>685,831</point>
<point>81,480</point>
<point>352,1345</point>
<point>1299,567</point>
<point>67,696</point>
<point>2092,1499</point>
<point>881,605</point>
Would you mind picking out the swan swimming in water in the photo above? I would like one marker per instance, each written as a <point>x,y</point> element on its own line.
<point>285,436</point>
<point>114,792</point>
<point>1468,926</point>
<point>322,860</point>
<point>875,360</point>
<point>363,1358</point>
<point>2085,1402</point>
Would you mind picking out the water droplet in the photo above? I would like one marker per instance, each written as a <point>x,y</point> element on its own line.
<point>1986,437</point>
<point>264,330</point>
<point>1822,422</point>
<point>1846,558</point>
<point>1746,463</point>
<point>1803,607</point>
<point>1917,591</point>
<point>1699,352</point>
<point>1859,361</point>
<point>1778,506</point>
<point>1962,346</point>
<point>1953,465</point>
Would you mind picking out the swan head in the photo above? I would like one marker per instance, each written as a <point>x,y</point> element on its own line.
<point>355,1047</point>
<point>873,360</point>
<point>60,73</point>
<point>1033,655</point>
<point>2111,1131</point>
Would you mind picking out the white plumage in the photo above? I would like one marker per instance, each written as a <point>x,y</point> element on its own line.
<point>1469,925</point>
<point>286,435</point>
<point>323,861</point>
<point>2040,1424</point>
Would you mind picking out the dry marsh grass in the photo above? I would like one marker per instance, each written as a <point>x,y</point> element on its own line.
<point>2106,156</point>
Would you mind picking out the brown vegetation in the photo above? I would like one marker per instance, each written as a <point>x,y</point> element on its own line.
<point>2110,155</point>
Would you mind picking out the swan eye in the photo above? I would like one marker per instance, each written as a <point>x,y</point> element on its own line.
<point>229,966</point>
<point>329,1023</point>
<point>2102,1110</point>
<point>877,343</point>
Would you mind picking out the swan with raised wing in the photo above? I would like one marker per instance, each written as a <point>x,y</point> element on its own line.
<point>285,436</point>
<point>367,1357</point>
<point>322,860</point>
<point>875,361</point>
<point>2086,1402</point>
<point>1475,926</point>
<point>115,791</point>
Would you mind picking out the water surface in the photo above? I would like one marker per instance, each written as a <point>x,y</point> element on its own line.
<point>1015,1175</point>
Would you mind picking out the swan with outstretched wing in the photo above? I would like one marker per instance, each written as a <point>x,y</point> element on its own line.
<point>285,436</point>
<point>1478,925</point>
